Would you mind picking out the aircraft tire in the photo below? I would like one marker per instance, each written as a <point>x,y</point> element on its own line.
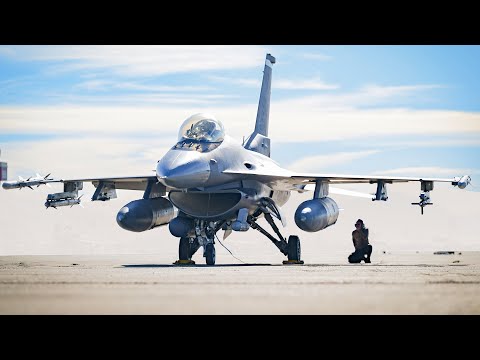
<point>210,254</point>
<point>294,249</point>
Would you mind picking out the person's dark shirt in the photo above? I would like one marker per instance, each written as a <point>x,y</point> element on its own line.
<point>360,239</point>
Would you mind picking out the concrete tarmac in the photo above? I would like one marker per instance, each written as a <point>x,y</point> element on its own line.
<point>416,283</point>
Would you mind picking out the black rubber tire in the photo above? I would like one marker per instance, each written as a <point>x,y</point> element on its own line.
<point>294,250</point>
<point>210,254</point>
<point>184,249</point>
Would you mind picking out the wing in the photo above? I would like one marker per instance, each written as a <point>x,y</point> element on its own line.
<point>105,187</point>
<point>282,179</point>
<point>120,182</point>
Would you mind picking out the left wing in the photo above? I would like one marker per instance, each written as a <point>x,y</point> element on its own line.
<point>281,179</point>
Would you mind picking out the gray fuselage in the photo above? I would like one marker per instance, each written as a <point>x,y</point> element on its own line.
<point>193,172</point>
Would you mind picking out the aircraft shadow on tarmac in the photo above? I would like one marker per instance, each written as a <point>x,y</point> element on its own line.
<point>307,265</point>
<point>193,265</point>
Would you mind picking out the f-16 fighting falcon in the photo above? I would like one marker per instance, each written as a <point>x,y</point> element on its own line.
<point>208,182</point>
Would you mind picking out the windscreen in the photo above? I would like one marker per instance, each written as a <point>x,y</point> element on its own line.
<point>201,128</point>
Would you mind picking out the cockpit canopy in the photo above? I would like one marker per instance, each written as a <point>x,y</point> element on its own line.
<point>202,128</point>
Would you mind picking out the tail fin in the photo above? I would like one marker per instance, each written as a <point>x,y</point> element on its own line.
<point>258,140</point>
<point>261,125</point>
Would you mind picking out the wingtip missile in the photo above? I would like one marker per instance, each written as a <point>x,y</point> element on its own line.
<point>30,182</point>
<point>464,181</point>
<point>8,185</point>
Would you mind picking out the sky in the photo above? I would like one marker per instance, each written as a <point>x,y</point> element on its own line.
<point>406,110</point>
<point>93,111</point>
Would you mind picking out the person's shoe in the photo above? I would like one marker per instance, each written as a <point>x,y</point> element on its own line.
<point>367,260</point>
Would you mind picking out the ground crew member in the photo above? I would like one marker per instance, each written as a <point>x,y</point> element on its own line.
<point>363,249</point>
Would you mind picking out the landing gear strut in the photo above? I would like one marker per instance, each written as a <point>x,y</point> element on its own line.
<point>204,236</point>
<point>186,248</point>
<point>291,248</point>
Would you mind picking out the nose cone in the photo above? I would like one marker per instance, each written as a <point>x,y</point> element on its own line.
<point>183,169</point>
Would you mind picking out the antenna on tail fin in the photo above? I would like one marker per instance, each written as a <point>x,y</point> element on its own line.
<point>259,140</point>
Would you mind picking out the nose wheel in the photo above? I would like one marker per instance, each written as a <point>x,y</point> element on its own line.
<point>210,254</point>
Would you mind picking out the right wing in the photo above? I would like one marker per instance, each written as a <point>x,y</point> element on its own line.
<point>105,187</point>
<point>121,182</point>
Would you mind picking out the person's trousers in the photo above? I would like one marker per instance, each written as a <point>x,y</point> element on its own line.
<point>361,254</point>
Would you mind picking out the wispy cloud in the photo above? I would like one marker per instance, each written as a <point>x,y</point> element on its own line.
<point>94,85</point>
<point>307,84</point>
<point>290,122</point>
<point>399,90</point>
<point>428,171</point>
<point>322,162</point>
<point>317,117</point>
<point>108,85</point>
<point>257,83</point>
<point>317,56</point>
<point>313,84</point>
<point>6,51</point>
<point>454,142</point>
<point>369,95</point>
<point>140,60</point>
<point>139,99</point>
<point>85,156</point>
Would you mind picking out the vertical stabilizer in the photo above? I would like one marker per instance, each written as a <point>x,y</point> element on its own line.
<point>261,124</point>
<point>258,140</point>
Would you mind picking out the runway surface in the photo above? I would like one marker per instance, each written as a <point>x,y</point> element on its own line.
<point>418,283</point>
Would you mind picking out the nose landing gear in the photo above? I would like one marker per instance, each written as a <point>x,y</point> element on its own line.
<point>209,254</point>
<point>204,236</point>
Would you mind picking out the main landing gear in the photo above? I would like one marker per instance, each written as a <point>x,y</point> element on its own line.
<point>290,248</point>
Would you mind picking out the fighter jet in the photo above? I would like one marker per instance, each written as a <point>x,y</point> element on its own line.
<point>208,182</point>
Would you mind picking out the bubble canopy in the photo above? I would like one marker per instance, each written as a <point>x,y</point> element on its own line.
<point>202,128</point>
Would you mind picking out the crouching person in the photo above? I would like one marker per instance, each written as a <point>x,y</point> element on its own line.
<point>363,249</point>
